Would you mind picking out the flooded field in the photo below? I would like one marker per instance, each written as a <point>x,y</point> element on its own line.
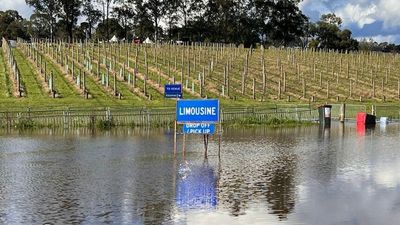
<point>305,175</point>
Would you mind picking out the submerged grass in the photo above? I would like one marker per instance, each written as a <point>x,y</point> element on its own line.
<point>270,122</point>
<point>26,123</point>
<point>105,124</point>
<point>155,124</point>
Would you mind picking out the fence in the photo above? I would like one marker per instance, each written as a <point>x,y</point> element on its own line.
<point>139,116</point>
<point>390,111</point>
<point>164,116</point>
<point>351,110</point>
<point>263,114</point>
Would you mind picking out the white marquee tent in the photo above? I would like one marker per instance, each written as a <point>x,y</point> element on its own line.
<point>148,41</point>
<point>114,39</point>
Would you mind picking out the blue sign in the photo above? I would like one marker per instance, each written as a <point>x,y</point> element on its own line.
<point>200,111</point>
<point>198,128</point>
<point>173,91</point>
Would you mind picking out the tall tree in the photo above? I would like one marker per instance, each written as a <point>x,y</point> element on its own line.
<point>261,11</point>
<point>229,20</point>
<point>124,12</point>
<point>332,19</point>
<point>114,29</point>
<point>187,9</point>
<point>143,24</point>
<point>171,15</point>
<point>47,9</point>
<point>106,5</point>
<point>92,14</point>
<point>38,26</point>
<point>12,25</point>
<point>327,34</point>
<point>70,11</point>
<point>156,9</point>
<point>287,21</point>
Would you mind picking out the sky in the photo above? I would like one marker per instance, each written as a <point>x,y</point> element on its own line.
<point>376,19</point>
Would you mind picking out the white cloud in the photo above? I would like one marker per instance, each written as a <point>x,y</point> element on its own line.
<point>358,14</point>
<point>388,11</point>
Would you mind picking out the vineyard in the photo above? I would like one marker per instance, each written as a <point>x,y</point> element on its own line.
<point>43,73</point>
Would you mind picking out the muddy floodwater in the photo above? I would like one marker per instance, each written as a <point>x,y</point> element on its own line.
<point>307,175</point>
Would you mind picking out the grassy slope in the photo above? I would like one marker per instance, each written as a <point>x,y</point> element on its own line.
<point>29,77</point>
<point>5,84</point>
<point>101,98</point>
<point>69,96</point>
<point>61,84</point>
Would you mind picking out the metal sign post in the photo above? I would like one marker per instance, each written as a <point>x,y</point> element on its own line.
<point>173,91</point>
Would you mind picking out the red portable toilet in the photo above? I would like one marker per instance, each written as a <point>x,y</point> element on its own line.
<point>361,118</point>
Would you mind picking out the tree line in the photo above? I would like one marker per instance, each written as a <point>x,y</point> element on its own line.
<point>229,21</point>
<point>248,22</point>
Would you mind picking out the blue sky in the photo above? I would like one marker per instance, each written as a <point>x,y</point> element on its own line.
<point>377,19</point>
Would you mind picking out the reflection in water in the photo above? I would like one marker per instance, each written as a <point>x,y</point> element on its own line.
<point>303,175</point>
<point>324,133</point>
<point>325,155</point>
<point>196,187</point>
<point>85,132</point>
<point>362,129</point>
<point>262,172</point>
<point>281,186</point>
<point>94,179</point>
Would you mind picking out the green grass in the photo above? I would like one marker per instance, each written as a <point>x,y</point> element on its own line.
<point>121,87</point>
<point>164,69</point>
<point>128,95</point>
<point>29,79</point>
<point>69,95</point>
<point>271,122</point>
<point>5,84</point>
<point>105,124</point>
<point>24,124</point>
<point>61,84</point>
<point>290,59</point>
<point>102,97</point>
<point>139,82</point>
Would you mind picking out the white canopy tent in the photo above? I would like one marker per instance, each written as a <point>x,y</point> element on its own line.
<point>114,39</point>
<point>148,41</point>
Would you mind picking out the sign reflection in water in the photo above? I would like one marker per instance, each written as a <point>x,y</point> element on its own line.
<point>196,187</point>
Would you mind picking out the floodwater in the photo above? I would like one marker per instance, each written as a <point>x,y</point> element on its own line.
<point>305,175</point>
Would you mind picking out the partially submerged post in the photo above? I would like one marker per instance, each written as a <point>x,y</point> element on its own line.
<point>175,126</point>
<point>184,144</point>
<point>205,139</point>
<point>342,116</point>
